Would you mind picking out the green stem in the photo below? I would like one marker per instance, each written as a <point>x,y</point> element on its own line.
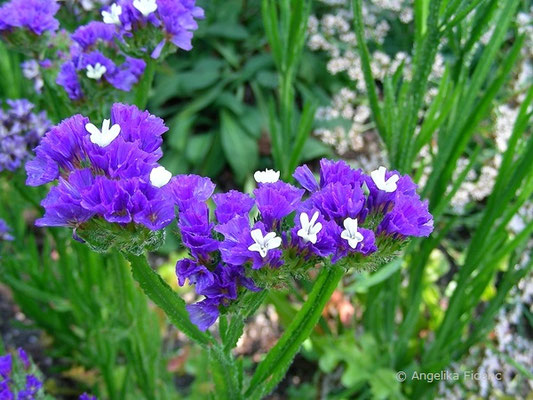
<point>143,89</point>
<point>272,369</point>
<point>167,299</point>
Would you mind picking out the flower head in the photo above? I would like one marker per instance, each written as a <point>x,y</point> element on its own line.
<point>37,16</point>
<point>20,131</point>
<point>109,175</point>
<point>149,25</point>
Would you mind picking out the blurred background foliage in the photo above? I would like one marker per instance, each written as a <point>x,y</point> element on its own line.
<point>441,89</point>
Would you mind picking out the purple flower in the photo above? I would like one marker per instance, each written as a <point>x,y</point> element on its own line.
<point>231,204</point>
<point>89,65</point>
<point>89,35</point>
<point>196,231</point>
<point>178,17</point>
<point>238,238</point>
<point>139,126</point>
<point>313,235</point>
<point>197,274</point>
<point>86,396</point>
<point>63,203</point>
<point>337,201</point>
<point>305,177</point>
<point>190,189</point>
<point>105,173</point>
<point>276,200</point>
<point>20,131</point>
<point>63,147</point>
<point>34,15</point>
<point>204,313</point>
<point>338,172</point>
<point>68,79</point>
<point>409,217</point>
<point>6,364</point>
<point>23,357</point>
<point>5,392</point>
<point>174,19</point>
<point>353,239</point>
<point>4,231</point>
<point>33,385</point>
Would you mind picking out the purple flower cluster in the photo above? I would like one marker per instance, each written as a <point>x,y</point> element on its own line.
<point>108,174</point>
<point>20,131</point>
<point>346,214</point>
<point>4,231</point>
<point>150,24</point>
<point>218,282</point>
<point>20,364</point>
<point>89,65</point>
<point>37,16</point>
<point>111,176</point>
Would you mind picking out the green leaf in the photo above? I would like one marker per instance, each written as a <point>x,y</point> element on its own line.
<point>229,30</point>
<point>240,149</point>
<point>385,385</point>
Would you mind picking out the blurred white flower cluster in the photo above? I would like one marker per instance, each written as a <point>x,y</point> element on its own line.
<point>345,123</point>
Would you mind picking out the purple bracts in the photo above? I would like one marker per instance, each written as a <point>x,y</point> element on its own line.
<point>176,20</point>
<point>100,179</point>
<point>20,131</point>
<point>34,15</point>
<point>87,62</point>
<point>16,379</point>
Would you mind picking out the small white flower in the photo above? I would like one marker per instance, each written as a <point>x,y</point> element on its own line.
<point>96,71</point>
<point>266,176</point>
<point>112,16</point>
<point>310,228</point>
<point>350,232</point>
<point>159,176</point>
<point>106,136</point>
<point>389,185</point>
<point>146,7</point>
<point>263,244</point>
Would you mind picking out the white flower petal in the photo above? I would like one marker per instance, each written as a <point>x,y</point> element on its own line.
<point>267,176</point>
<point>304,221</point>
<point>159,176</point>
<point>273,243</point>
<point>257,236</point>
<point>314,217</point>
<point>315,228</point>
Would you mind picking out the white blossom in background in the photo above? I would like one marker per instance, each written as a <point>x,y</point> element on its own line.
<point>267,176</point>
<point>347,126</point>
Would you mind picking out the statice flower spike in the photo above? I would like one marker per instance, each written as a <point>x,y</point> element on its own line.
<point>350,232</point>
<point>264,243</point>
<point>159,176</point>
<point>145,7</point>
<point>113,15</point>
<point>267,176</point>
<point>104,137</point>
<point>386,185</point>
<point>310,228</point>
